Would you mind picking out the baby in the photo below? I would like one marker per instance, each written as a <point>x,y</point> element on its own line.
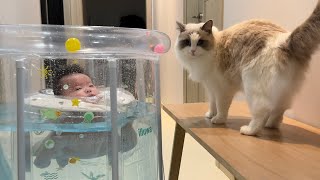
<point>72,82</point>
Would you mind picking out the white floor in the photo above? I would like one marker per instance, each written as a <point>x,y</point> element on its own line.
<point>197,163</point>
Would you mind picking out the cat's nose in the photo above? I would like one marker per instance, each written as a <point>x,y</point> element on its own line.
<point>193,51</point>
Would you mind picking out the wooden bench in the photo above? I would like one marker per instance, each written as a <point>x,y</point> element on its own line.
<point>292,152</point>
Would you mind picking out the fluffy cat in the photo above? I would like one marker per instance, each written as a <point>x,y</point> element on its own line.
<point>258,57</point>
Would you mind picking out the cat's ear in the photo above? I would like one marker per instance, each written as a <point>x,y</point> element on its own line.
<point>181,27</point>
<point>207,26</point>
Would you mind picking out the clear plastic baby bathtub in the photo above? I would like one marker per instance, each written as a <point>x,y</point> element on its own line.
<point>80,103</point>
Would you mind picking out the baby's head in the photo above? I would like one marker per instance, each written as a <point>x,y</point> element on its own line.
<point>71,81</point>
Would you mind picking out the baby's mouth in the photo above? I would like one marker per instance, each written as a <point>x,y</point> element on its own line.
<point>92,99</point>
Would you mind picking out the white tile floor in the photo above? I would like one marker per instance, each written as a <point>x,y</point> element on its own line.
<point>197,163</point>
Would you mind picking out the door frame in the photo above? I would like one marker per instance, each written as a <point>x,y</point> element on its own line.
<point>73,12</point>
<point>192,91</point>
<point>149,14</point>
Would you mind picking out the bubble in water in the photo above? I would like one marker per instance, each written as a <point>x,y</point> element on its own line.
<point>65,87</point>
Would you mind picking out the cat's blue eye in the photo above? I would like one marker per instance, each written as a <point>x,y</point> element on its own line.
<point>200,42</point>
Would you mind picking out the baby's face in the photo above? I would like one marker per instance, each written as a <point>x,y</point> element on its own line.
<point>78,85</point>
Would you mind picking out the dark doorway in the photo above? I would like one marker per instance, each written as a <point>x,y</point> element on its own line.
<point>109,13</point>
<point>120,13</point>
<point>52,12</point>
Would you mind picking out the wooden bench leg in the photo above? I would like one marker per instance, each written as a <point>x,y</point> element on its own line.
<point>176,155</point>
<point>225,171</point>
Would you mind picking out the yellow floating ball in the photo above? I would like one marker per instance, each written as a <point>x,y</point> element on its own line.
<point>73,45</point>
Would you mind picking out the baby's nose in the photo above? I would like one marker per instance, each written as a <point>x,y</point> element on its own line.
<point>88,90</point>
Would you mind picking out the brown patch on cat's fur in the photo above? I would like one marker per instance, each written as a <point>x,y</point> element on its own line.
<point>207,27</point>
<point>208,38</point>
<point>246,40</point>
<point>304,40</point>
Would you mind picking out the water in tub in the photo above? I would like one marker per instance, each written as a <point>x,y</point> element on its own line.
<point>74,142</point>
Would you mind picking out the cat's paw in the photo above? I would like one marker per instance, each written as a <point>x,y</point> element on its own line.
<point>218,120</point>
<point>247,130</point>
<point>209,115</point>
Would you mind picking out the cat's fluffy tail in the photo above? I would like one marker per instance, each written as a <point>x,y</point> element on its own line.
<point>304,40</point>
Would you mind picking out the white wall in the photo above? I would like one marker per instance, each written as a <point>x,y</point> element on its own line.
<point>20,12</point>
<point>166,13</point>
<point>289,14</point>
<point>17,12</point>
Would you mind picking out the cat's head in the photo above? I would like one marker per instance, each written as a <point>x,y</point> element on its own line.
<point>195,40</point>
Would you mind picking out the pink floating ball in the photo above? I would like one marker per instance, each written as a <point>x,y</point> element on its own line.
<point>159,48</point>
